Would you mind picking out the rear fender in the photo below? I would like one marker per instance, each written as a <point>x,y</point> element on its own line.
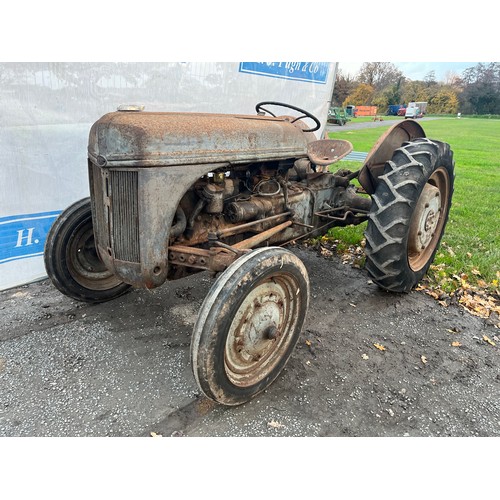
<point>383,150</point>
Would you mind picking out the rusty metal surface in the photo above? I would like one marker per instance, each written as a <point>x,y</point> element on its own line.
<point>144,166</point>
<point>327,151</point>
<point>157,207</point>
<point>383,149</point>
<point>144,139</point>
<point>428,219</point>
<point>261,237</point>
<point>215,259</point>
<point>260,333</point>
<point>424,220</point>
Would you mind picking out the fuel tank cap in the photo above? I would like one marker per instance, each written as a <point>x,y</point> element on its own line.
<point>130,107</point>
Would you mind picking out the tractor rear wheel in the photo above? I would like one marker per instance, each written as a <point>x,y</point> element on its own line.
<point>409,211</point>
<point>71,259</point>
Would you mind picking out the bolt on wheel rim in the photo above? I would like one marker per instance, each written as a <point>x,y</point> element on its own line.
<point>262,330</point>
<point>428,219</point>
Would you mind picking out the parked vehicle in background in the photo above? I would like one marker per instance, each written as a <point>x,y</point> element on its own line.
<point>402,111</point>
<point>393,109</point>
<point>351,110</point>
<point>338,115</point>
<point>366,110</point>
<point>416,110</point>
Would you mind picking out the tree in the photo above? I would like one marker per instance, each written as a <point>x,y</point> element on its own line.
<point>344,85</point>
<point>476,91</point>
<point>394,92</point>
<point>415,91</point>
<point>430,78</point>
<point>379,74</point>
<point>444,102</point>
<point>452,79</point>
<point>481,89</point>
<point>362,96</point>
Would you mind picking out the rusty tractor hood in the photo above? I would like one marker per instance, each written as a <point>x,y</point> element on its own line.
<point>148,139</point>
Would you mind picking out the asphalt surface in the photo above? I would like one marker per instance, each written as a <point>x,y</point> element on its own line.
<point>123,368</point>
<point>385,121</point>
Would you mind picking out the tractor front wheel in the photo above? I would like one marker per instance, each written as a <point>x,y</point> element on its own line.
<point>249,324</point>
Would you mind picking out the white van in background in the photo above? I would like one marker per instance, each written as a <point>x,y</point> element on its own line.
<point>415,110</point>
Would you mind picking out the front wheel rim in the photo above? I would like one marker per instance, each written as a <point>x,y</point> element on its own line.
<point>262,330</point>
<point>84,264</point>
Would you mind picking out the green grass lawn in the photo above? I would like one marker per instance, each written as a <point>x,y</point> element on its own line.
<point>470,249</point>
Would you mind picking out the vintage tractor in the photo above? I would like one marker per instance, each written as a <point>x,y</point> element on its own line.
<point>172,194</point>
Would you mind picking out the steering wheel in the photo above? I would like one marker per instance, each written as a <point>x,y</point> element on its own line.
<point>305,114</point>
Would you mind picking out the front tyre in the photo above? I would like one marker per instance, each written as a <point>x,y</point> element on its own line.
<point>71,258</point>
<point>249,324</point>
<point>409,211</point>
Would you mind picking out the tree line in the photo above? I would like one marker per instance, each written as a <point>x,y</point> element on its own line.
<point>475,91</point>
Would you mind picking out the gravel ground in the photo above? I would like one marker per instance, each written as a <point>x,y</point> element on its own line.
<point>123,368</point>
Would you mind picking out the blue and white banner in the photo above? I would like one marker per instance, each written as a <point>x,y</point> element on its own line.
<point>48,108</point>
<point>314,72</point>
<point>23,236</point>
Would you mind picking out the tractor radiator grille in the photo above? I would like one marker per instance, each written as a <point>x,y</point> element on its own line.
<point>116,212</point>
<point>125,215</point>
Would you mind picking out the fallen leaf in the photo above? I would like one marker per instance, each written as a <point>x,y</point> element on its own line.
<point>456,344</point>
<point>153,434</point>
<point>380,347</point>
<point>476,272</point>
<point>365,356</point>
<point>275,425</point>
<point>424,359</point>
<point>487,339</point>
<point>469,255</point>
<point>308,342</point>
<point>325,252</point>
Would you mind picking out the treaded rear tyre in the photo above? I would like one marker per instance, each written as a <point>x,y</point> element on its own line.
<point>410,208</point>
<point>71,259</point>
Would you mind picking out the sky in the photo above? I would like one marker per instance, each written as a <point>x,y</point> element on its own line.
<point>415,70</point>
